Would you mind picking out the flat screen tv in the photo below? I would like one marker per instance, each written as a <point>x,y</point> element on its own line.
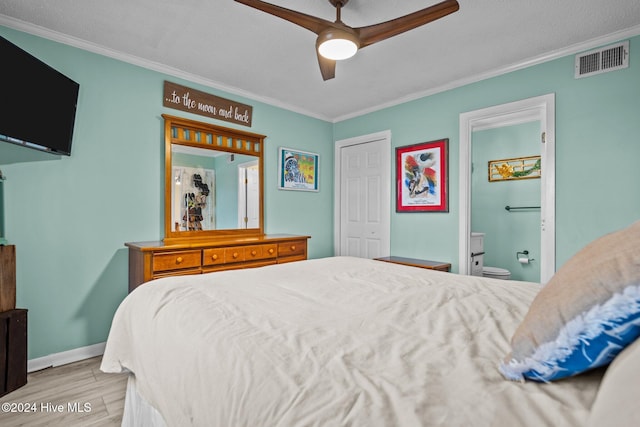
<point>38,103</point>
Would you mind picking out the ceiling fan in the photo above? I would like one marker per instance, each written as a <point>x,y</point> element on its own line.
<point>337,40</point>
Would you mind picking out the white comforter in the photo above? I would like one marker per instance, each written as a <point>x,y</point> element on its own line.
<point>335,342</point>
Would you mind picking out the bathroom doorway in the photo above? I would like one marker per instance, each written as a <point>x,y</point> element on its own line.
<point>505,199</point>
<point>539,113</point>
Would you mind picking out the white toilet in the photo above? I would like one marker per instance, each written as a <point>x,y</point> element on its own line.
<point>496,273</point>
<point>477,266</point>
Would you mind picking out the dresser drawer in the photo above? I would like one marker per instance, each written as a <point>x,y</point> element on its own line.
<point>296,247</point>
<point>213,256</point>
<point>178,260</point>
<point>234,254</point>
<point>260,252</point>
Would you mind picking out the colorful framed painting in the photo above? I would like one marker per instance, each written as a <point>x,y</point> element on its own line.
<point>422,177</point>
<point>298,170</point>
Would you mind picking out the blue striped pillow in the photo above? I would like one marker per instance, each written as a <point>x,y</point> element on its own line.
<point>587,313</point>
<point>588,341</point>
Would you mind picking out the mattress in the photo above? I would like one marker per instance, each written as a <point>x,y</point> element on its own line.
<point>335,342</point>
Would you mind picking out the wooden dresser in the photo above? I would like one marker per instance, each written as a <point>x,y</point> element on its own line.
<point>193,243</point>
<point>152,260</point>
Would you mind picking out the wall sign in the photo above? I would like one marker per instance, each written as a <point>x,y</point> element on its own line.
<point>197,102</point>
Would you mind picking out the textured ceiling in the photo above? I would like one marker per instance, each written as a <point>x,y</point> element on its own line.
<point>229,46</point>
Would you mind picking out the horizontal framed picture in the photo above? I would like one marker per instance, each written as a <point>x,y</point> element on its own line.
<point>298,170</point>
<point>422,177</point>
<point>515,168</point>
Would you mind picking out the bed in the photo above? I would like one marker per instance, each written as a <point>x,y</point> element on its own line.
<point>333,342</point>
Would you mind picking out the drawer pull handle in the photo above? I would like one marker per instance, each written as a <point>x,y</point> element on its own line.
<point>271,250</point>
<point>293,247</point>
<point>214,257</point>
<point>253,253</point>
<point>235,254</point>
<point>179,260</point>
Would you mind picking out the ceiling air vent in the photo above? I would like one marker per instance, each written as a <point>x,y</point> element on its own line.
<point>602,60</point>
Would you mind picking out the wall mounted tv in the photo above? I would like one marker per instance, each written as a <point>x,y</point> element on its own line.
<point>38,103</point>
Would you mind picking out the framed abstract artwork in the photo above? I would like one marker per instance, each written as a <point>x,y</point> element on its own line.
<point>422,177</point>
<point>298,170</point>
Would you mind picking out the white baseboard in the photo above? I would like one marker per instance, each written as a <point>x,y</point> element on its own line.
<point>65,357</point>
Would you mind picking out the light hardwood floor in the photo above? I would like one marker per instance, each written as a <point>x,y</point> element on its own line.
<point>88,397</point>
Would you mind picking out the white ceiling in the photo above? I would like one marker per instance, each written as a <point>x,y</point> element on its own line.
<point>229,46</point>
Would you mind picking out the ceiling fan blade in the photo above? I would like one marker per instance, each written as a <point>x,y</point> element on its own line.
<point>375,33</point>
<point>309,22</point>
<point>327,67</point>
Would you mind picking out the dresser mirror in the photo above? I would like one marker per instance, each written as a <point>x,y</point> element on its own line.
<point>213,181</point>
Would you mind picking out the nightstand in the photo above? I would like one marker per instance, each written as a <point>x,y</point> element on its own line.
<point>420,263</point>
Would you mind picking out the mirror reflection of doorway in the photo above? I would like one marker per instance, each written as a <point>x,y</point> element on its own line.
<point>248,195</point>
<point>194,205</point>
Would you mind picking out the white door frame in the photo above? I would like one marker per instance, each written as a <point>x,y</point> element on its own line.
<point>541,108</point>
<point>385,136</point>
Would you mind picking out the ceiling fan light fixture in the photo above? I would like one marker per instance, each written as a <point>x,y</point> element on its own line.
<point>337,44</point>
<point>337,41</point>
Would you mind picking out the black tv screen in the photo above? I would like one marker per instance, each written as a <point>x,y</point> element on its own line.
<point>38,103</point>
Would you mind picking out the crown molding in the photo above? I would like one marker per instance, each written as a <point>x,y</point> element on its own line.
<point>549,56</point>
<point>55,36</point>
<point>36,30</point>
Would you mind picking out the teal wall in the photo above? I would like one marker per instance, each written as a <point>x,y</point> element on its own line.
<point>506,232</point>
<point>69,217</point>
<point>1,211</point>
<point>193,161</point>
<point>597,150</point>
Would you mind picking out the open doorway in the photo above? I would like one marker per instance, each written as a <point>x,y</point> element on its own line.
<point>505,200</point>
<point>539,109</point>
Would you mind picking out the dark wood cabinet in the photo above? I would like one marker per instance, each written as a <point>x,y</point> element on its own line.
<point>13,326</point>
<point>13,350</point>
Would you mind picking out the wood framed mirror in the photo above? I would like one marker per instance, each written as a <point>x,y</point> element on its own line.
<point>214,181</point>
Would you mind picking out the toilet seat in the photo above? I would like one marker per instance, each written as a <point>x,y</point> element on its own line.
<point>495,272</point>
